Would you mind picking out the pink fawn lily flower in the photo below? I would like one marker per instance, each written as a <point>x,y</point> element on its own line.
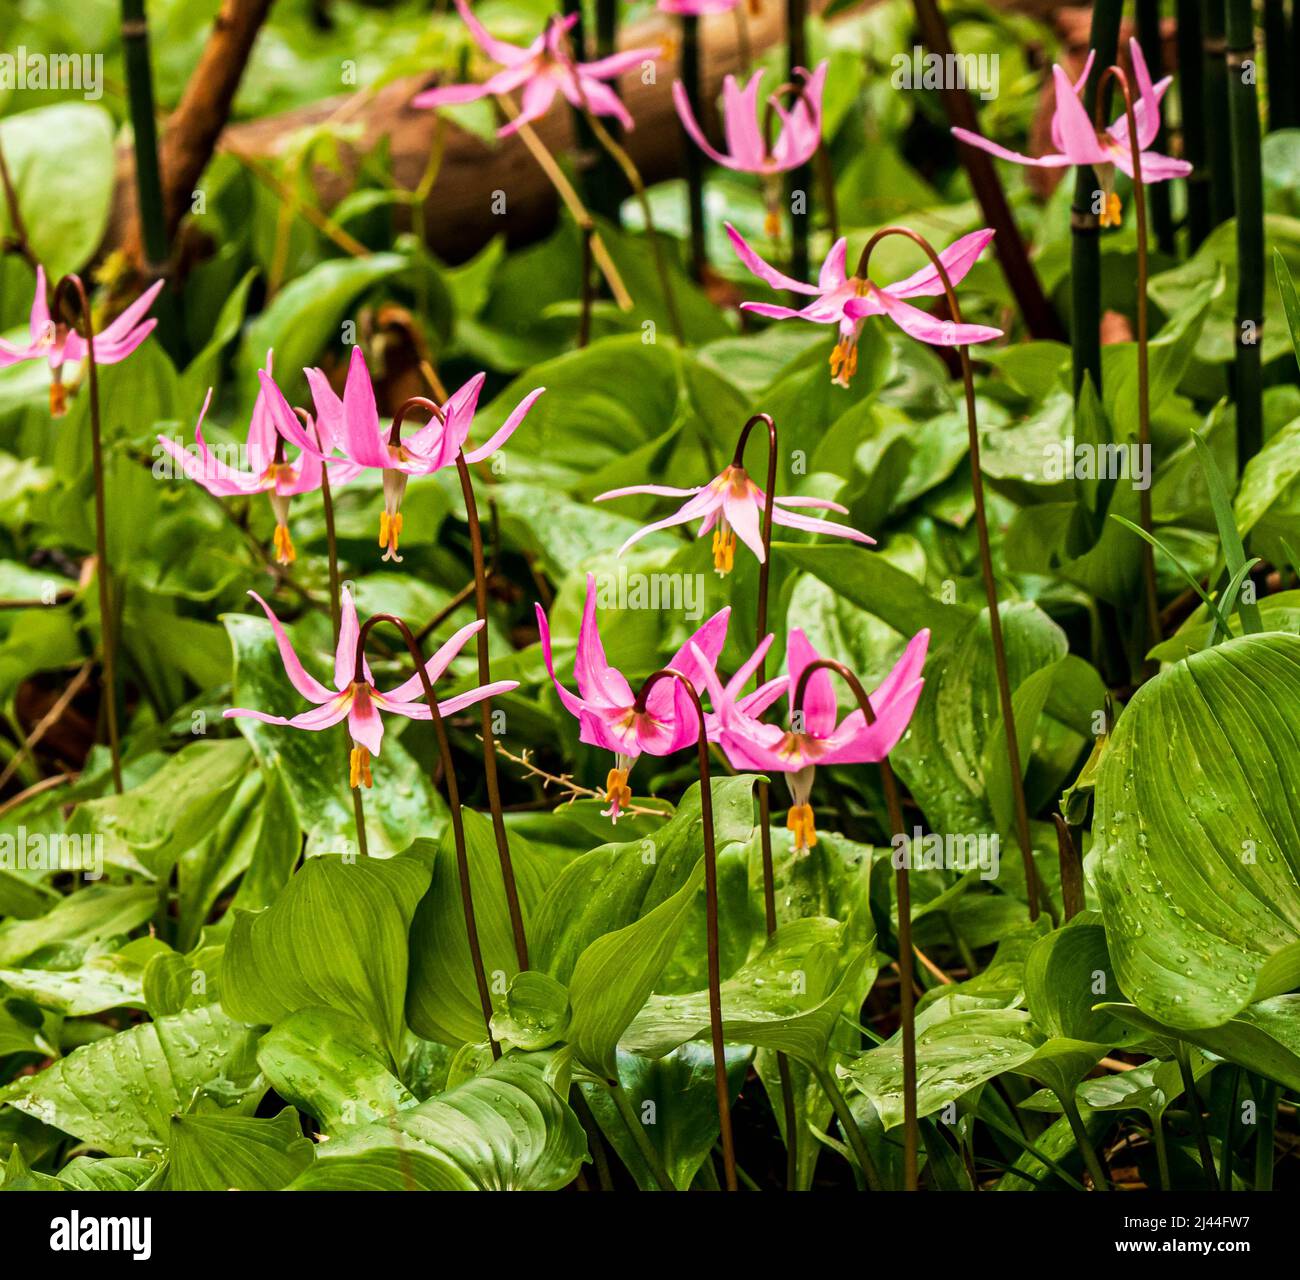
<point>269,469</point>
<point>1077,142</point>
<point>821,737</point>
<point>731,505</point>
<point>351,424</point>
<point>546,67</point>
<point>605,704</point>
<point>354,695</point>
<point>699,8</point>
<point>846,300</point>
<point>749,148</point>
<point>58,344</point>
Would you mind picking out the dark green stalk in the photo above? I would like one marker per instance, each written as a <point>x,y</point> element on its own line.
<point>694,157</point>
<point>1191,109</point>
<point>1072,896</point>
<point>607,187</point>
<point>1216,106</point>
<point>1198,1119</point>
<point>636,1131</point>
<point>852,1134</point>
<point>1153,48</point>
<point>1091,1161</point>
<point>1275,62</point>
<point>1230,1131</point>
<point>1265,1120</point>
<point>1085,223</point>
<point>799,180</point>
<point>139,84</point>
<point>1248,186</point>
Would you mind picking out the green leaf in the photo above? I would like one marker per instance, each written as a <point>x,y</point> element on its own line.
<point>236,1153</point>
<point>62,163</point>
<point>336,937</point>
<point>788,998</point>
<point>1066,974</point>
<point>332,1066</point>
<point>105,982</point>
<point>1290,302</point>
<point>1061,1063</point>
<point>1233,551</point>
<point>442,999</point>
<point>94,912</point>
<point>118,1094</point>
<point>536,1013</point>
<point>1199,848</point>
<point>504,1130</point>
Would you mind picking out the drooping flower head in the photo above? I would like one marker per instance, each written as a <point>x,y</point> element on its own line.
<point>845,300</point>
<point>354,696</point>
<point>351,424</point>
<point>731,505</point>
<point>817,735</point>
<point>605,705</point>
<point>1078,142</point>
<point>546,67</point>
<point>750,146</point>
<point>269,467</point>
<point>55,342</point>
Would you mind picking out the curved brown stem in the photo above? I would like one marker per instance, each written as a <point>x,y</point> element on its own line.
<point>484,677</point>
<point>710,910</point>
<point>764,799</point>
<point>72,283</point>
<point>1148,554</point>
<point>453,803</point>
<point>903,891</point>
<point>986,557</point>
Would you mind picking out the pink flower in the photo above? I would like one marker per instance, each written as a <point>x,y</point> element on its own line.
<point>59,344</point>
<point>748,150</point>
<point>351,424</point>
<point>269,470</point>
<point>1077,142</point>
<point>731,504</point>
<point>821,738</point>
<point>354,695</point>
<point>546,67</point>
<point>847,300</point>
<point>605,704</point>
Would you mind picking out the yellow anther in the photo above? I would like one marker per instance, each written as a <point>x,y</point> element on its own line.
<point>1110,214</point>
<point>58,400</point>
<point>772,225</point>
<point>617,792</point>
<point>390,530</point>
<point>383,528</point>
<point>359,768</point>
<point>724,551</point>
<point>800,820</point>
<point>283,543</point>
<point>844,362</point>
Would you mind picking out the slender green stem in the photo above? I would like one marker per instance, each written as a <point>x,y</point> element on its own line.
<point>852,1134</point>
<point>1162,1151</point>
<point>359,817</point>
<point>1265,1120</point>
<point>72,284</point>
<point>1230,1131</point>
<point>1248,189</point>
<point>1025,1145</point>
<point>694,157</point>
<point>1085,224</point>
<point>1216,101</point>
<point>1191,109</point>
<point>1072,895</point>
<point>649,1152</point>
<point>1091,1161</point>
<point>1198,1119</point>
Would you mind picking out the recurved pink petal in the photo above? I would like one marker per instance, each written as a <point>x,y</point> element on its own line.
<point>682,101</point>
<point>819,708</point>
<point>1050,161</point>
<point>575,706</point>
<point>506,429</point>
<point>764,271</point>
<point>435,666</point>
<point>306,684</point>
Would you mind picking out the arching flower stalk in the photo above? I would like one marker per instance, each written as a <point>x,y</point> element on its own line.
<point>607,711</point>
<point>355,698</point>
<point>55,342</point>
<point>847,300</point>
<point>751,147</point>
